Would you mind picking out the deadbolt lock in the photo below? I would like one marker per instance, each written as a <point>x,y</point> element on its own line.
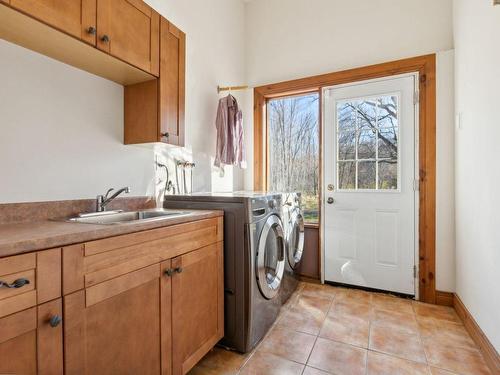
<point>330,200</point>
<point>330,187</point>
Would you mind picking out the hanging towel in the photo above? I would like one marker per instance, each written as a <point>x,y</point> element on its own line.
<point>230,138</point>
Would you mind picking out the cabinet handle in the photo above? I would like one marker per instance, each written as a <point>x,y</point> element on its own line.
<point>19,283</point>
<point>169,272</point>
<point>55,321</point>
<point>105,38</point>
<point>178,269</point>
<point>165,135</point>
<point>91,30</point>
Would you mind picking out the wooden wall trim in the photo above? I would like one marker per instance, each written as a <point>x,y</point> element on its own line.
<point>444,298</point>
<point>491,356</point>
<point>426,67</point>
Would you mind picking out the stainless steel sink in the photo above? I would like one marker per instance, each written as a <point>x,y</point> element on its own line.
<point>118,217</point>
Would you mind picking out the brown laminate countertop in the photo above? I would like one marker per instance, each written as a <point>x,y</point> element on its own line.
<point>18,238</point>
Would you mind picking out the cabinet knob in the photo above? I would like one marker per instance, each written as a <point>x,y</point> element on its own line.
<point>105,38</point>
<point>19,283</point>
<point>165,135</point>
<point>55,321</point>
<point>178,269</point>
<point>91,30</point>
<point>169,272</point>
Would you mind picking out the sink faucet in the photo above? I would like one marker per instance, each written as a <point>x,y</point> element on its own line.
<point>103,200</point>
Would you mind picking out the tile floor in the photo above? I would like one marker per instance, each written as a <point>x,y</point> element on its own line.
<point>328,330</point>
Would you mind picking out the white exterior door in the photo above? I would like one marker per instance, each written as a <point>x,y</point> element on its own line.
<point>370,197</point>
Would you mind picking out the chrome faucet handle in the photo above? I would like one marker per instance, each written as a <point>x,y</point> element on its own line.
<point>107,193</point>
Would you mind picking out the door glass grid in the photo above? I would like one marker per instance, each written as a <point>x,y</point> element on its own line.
<point>367,143</point>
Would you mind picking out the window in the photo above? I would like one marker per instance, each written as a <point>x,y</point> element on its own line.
<point>293,160</point>
<point>367,143</point>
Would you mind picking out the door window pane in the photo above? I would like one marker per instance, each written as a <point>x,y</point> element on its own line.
<point>367,173</point>
<point>367,143</point>
<point>387,175</point>
<point>347,175</point>
<point>293,134</point>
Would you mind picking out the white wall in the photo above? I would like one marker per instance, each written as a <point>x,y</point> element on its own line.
<point>288,39</point>
<point>61,129</point>
<point>445,172</point>
<point>477,61</point>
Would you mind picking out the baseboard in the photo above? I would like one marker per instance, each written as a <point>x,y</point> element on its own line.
<point>444,298</point>
<point>308,279</point>
<point>487,349</point>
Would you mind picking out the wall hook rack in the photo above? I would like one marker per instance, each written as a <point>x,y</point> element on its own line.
<point>231,88</point>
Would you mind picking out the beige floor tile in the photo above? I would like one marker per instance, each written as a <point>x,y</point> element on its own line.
<point>392,303</point>
<point>347,329</point>
<point>292,345</point>
<point>358,297</point>
<point>220,362</point>
<point>446,332</point>
<point>347,308</point>
<point>314,371</point>
<point>396,342</point>
<point>300,320</point>
<point>382,364</point>
<point>312,303</point>
<point>338,358</point>
<point>318,290</point>
<point>439,371</point>
<point>401,320</point>
<point>425,310</point>
<point>453,358</point>
<point>262,363</point>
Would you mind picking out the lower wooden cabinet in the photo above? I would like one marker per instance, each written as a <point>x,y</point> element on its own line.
<point>114,327</point>
<point>197,305</point>
<point>31,341</point>
<point>147,303</point>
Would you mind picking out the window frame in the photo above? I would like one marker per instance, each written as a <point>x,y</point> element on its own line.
<point>426,67</point>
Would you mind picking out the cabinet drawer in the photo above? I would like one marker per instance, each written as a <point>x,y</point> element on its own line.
<point>29,279</point>
<point>98,261</point>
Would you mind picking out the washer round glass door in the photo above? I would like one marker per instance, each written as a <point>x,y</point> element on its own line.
<point>295,238</point>
<point>271,257</point>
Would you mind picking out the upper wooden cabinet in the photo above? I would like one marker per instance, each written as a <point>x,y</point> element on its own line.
<point>129,30</point>
<point>75,17</point>
<point>154,111</point>
<point>172,82</point>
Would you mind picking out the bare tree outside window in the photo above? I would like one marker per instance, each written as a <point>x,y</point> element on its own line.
<point>367,143</point>
<point>294,149</point>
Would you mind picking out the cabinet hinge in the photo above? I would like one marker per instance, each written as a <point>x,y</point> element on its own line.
<point>416,97</point>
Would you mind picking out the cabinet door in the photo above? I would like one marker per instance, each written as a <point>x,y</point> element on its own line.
<point>28,338</point>
<point>172,83</point>
<point>197,305</point>
<point>114,327</point>
<point>75,17</point>
<point>129,30</point>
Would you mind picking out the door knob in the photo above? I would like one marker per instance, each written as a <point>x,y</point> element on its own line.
<point>165,135</point>
<point>330,200</point>
<point>105,39</point>
<point>91,30</point>
<point>178,269</point>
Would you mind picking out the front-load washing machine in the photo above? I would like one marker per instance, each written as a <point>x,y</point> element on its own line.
<point>293,224</point>
<point>254,260</point>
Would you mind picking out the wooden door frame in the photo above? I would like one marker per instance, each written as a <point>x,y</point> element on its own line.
<point>426,67</point>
